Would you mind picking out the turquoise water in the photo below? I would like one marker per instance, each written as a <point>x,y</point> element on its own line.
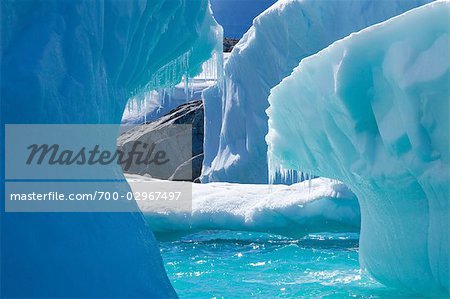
<point>226,264</point>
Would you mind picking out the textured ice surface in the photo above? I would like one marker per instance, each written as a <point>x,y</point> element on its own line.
<point>372,110</point>
<point>235,150</point>
<point>98,54</point>
<point>321,205</point>
<point>79,62</point>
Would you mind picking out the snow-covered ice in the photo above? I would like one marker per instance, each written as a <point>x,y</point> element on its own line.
<point>372,110</point>
<point>319,205</point>
<point>235,150</point>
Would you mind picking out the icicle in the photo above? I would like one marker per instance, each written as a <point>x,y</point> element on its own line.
<point>186,87</point>
<point>164,96</point>
<point>145,110</point>
<point>161,84</point>
<point>309,182</point>
<point>278,172</point>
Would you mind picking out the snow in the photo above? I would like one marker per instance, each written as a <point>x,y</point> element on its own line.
<point>322,205</point>
<point>372,111</point>
<point>78,62</point>
<point>279,38</point>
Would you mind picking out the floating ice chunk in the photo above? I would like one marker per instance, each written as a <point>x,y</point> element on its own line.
<point>294,210</point>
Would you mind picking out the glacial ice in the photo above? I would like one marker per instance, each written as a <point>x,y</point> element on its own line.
<point>78,62</point>
<point>149,105</point>
<point>372,110</point>
<point>322,205</point>
<point>235,150</point>
<point>235,16</point>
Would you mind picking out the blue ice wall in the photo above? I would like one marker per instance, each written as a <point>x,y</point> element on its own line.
<point>78,62</point>
<point>372,110</point>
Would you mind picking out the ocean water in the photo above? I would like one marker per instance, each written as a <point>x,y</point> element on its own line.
<point>227,264</point>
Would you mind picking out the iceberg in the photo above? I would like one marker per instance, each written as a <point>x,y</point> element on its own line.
<point>78,62</point>
<point>319,205</point>
<point>236,123</point>
<point>372,111</point>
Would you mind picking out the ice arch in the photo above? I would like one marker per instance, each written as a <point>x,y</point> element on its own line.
<point>78,62</point>
<point>372,110</point>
